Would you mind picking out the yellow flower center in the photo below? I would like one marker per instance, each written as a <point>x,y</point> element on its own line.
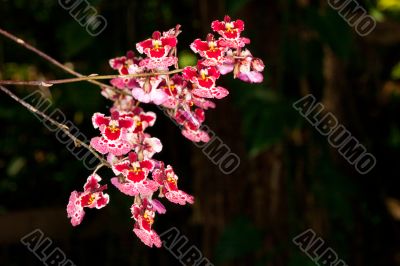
<point>113,128</point>
<point>171,179</point>
<point>91,199</point>
<point>156,44</point>
<point>135,170</point>
<point>148,218</point>
<point>203,75</point>
<point>212,46</point>
<point>229,27</point>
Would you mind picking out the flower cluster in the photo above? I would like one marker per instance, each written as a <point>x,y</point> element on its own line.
<point>185,94</point>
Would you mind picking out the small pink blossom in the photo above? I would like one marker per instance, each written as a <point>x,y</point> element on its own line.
<point>230,32</point>
<point>135,173</point>
<point>249,69</point>
<point>144,213</point>
<point>147,91</point>
<point>202,77</point>
<point>211,50</point>
<point>169,182</point>
<point>157,49</point>
<point>92,197</point>
<point>113,130</point>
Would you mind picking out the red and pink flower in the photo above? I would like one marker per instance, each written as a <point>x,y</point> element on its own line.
<point>123,63</point>
<point>157,49</point>
<point>141,119</point>
<point>204,79</point>
<point>168,181</point>
<point>144,214</point>
<point>147,91</point>
<point>113,130</point>
<point>92,197</point>
<point>135,173</point>
<point>211,50</point>
<point>249,68</point>
<point>230,32</point>
<point>176,89</point>
<point>146,144</point>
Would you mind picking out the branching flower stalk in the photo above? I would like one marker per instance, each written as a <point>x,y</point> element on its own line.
<point>62,127</point>
<point>185,94</point>
<point>92,77</point>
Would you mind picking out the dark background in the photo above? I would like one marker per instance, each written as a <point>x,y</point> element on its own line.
<point>289,179</point>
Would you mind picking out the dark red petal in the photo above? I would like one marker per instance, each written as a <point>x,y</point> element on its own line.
<point>112,134</point>
<point>91,184</point>
<point>206,83</point>
<point>85,200</point>
<point>146,44</point>
<point>130,54</point>
<point>170,41</point>
<point>121,167</point>
<point>136,176</point>
<point>102,201</point>
<point>158,52</point>
<point>147,118</point>
<point>210,37</point>
<point>146,226</point>
<point>132,157</point>
<point>125,123</point>
<point>156,35</point>
<point>147,164</point>
<point>123,70</point>
<point>199,114</point>
<point>216,54</point>
<point>233,34</point>
<point>99,119</point>
<point>239,24</point>
<point>115,115</point>
<point>217,25</point>
<point>180,116</point>
<point>200,45</point>
<point>189,73</point>
<point>213,72</point>
<point>171,186</point>
<point>138,128</point>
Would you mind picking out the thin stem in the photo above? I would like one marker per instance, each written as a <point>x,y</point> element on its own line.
<point>62,127</point>
<point>54,61</point>
<point>98,168</point>
<point>49,83</point>
<point>46,57</point>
